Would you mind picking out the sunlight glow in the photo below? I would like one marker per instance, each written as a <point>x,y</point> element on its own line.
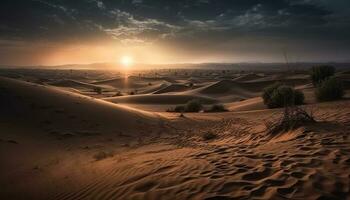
<point>127,61</point>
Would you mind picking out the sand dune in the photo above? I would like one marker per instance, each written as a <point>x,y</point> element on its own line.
<point>153,88</point>
<point>159,99</point>
<point>59,108</point>
<point>228,90</point>
<point>247,77</point>
<point>74,84</point>
<point>132,82</point>
<point>60,145</point>
<point>247,105</point>
<point>243,163</point>
<point>173,88</point>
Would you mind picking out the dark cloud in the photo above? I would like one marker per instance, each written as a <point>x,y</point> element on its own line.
<point>190,23</point>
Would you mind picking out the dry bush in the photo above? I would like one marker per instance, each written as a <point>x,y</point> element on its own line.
<point>293,117</point>
<point>209,136</point>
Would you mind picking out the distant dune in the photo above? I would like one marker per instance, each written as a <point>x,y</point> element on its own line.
<point>159,99</point>
<point>173,88</point>
<point>74,84</point>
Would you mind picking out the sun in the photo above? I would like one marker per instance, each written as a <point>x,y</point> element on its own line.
<point>126,61</point>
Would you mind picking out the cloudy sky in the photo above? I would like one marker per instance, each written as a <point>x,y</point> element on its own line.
<point>54,32</point>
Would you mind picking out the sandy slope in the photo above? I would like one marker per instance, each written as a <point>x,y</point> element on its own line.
<point>74,84</point>
<point>60,145</point>
<point>159,99</point>
<point>53,107</point>
<point>173,88</point>
<point>244,162</point>
<point>130,82</point>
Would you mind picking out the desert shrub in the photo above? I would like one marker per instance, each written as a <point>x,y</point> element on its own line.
<point>118,94</point>
<point>292,118</point>
<point>193,106</point>
<point>330,89</point>
<point>132,93</point>
<point>209,136</point>
<point>179,108</point>
<point>217,108</point>
<point>102,155</point>
<point>278,95</point>
<point>321,73</point>
<point>98,90</point>
<point>267,92</point>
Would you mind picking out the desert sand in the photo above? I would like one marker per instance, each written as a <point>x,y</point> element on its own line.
<point>60,140</point>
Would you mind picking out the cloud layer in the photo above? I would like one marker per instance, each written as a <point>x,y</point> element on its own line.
<point>225,28</point>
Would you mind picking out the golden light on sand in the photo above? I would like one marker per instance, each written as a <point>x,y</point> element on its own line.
<point>127,61</point>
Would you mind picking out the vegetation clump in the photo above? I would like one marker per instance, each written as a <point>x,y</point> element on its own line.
<point>217,108</point>
<point>118,94</point>
<point>329,90</point>
<point>191,106</point>
<point>209,136</point>
<point>179,108</point>
<point>279,95</point>
<point>321,73</point>
<point>98,90</point>
<point>102,155</point>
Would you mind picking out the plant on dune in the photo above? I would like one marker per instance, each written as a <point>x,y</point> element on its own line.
<point>293,117</point>
<point>98,90</point>
<point>217,108</point>
<point>209,136</point>
<point>102,155</point>
<point>330,89</point>
<point>118,94</point>
<point>179,108</point>
<point>321,73</point>
<point>279,95</point>
<point>193,106</point>
<point>267,92</point>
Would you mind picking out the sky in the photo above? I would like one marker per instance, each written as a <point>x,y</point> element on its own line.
<point>57,32</point>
